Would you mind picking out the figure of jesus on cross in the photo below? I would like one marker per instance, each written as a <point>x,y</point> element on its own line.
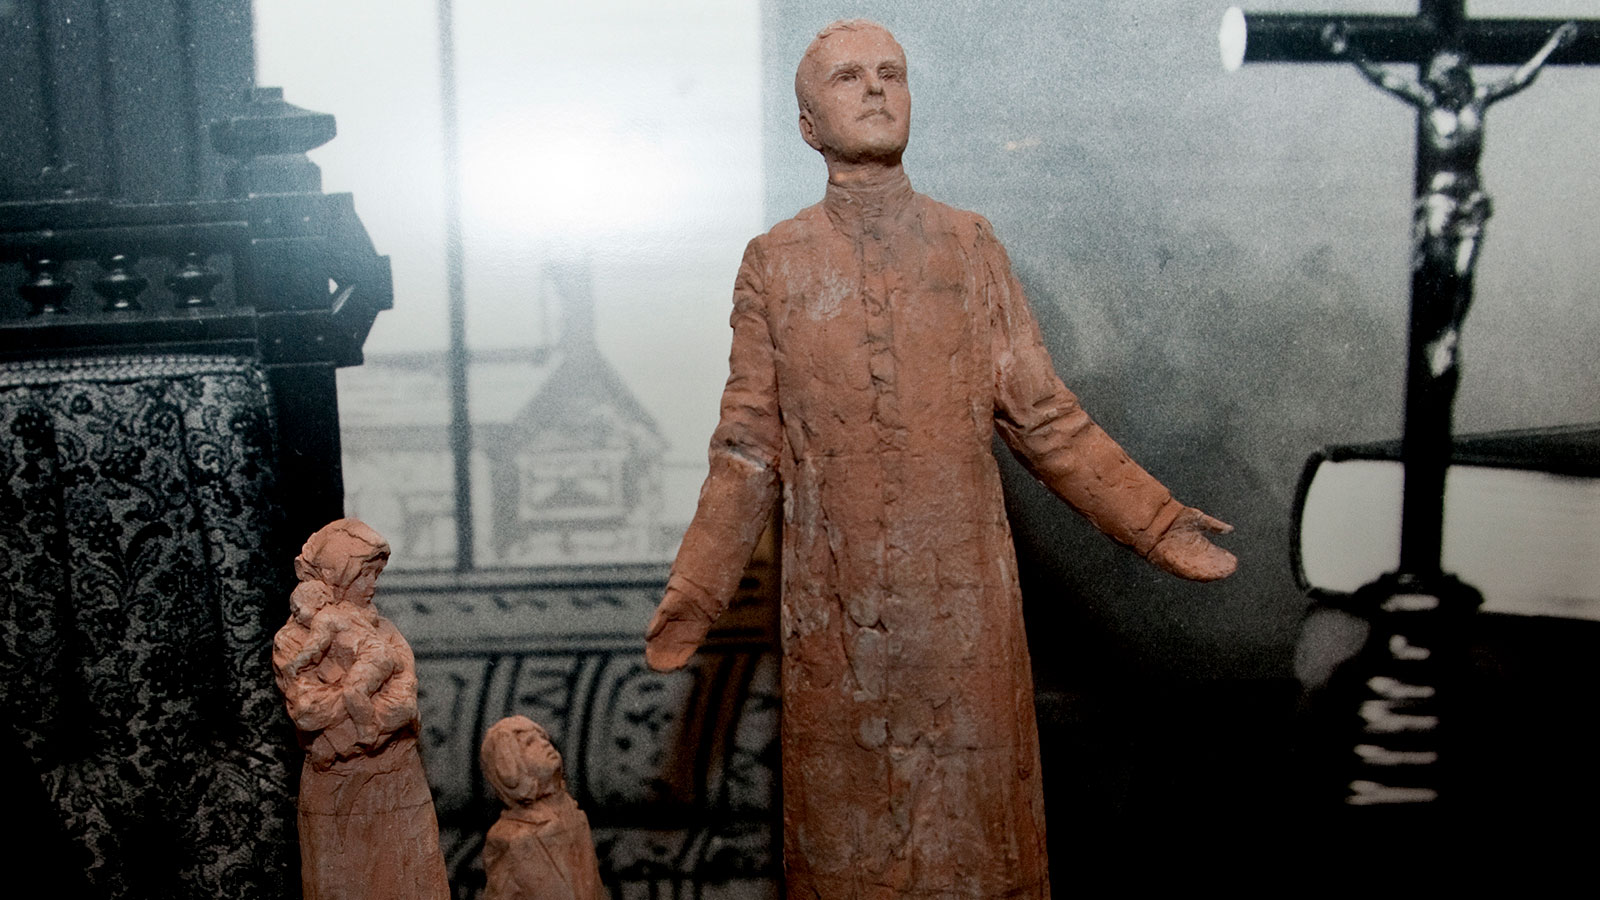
<point>1452,209</point>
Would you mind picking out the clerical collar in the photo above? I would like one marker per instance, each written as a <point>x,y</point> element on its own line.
<point>852,206</point>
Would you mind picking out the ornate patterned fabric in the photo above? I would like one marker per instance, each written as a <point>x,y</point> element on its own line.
<point>137,505</point>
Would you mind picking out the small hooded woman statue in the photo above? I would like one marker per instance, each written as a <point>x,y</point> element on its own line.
<point>540,849</point>
<point>367,826</point>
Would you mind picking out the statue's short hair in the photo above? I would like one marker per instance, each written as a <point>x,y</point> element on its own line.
<point>828,31</point>
<point>834,27</point>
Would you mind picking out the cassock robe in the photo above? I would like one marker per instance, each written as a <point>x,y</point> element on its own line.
<point>879,340</point>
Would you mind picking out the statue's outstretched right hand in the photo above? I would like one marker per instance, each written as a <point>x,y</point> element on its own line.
<point>1187,552</point>
<point>676,630</point>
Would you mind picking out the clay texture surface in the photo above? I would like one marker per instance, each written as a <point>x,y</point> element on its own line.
<point>367,826</point>
<point>540,848</point>
<point>879,340</point>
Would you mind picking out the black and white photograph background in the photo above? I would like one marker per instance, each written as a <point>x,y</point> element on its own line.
<point>1220,258</point>
<point>1220,262</point>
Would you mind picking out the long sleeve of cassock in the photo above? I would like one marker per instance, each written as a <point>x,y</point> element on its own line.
<point>1045,427</point>
<point>739,491</point>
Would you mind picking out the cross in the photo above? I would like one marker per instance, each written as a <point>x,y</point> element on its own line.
<point>1449,216</point>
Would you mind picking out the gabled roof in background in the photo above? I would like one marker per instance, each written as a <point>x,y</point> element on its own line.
<point>411,390</point>
<point>532,387</point>
<point>578,381</point>
<point>406,396</point>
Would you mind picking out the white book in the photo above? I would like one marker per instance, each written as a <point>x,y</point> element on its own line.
<point>1521,519</point>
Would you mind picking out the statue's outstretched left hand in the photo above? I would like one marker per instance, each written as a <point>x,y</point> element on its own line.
<point>1187,552</point>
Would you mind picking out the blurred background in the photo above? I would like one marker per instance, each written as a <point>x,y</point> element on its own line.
<point>1220,262</point>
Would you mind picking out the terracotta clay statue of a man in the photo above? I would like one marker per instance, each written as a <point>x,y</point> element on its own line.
<point>879,340</point>
<point>540,848</point>
<point>367,826</point>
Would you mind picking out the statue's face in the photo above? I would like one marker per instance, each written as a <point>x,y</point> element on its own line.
<point>360,591</point>
<point>858,104</point>
<point>1451,79</point>
<point>543,761</point>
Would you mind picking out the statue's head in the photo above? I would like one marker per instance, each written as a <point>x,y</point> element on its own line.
<point>855,103</point>
<point>520,761</point>
<point>1449,74</point>
<point>347,556</point>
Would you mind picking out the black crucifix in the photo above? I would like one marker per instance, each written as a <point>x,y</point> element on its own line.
<point>1447,235</point>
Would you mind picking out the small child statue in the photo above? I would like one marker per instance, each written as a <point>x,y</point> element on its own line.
<point>540,849</point>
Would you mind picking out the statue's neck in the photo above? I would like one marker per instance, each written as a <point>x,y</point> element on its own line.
<point>542,810</point>
<point>864,173</point>
<point>884,190</point>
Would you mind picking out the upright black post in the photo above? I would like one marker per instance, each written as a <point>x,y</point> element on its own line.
<point>1430,382</point>
<point>455,260</point>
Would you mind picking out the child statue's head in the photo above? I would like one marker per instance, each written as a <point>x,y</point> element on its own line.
<point>522,764</point>
<point>307,598</point>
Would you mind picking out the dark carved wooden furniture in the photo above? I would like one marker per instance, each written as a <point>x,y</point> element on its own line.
<point>175,295</point>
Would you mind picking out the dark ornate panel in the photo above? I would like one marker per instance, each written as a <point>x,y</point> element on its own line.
<point>112,98</point>
<point>291,279</point>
